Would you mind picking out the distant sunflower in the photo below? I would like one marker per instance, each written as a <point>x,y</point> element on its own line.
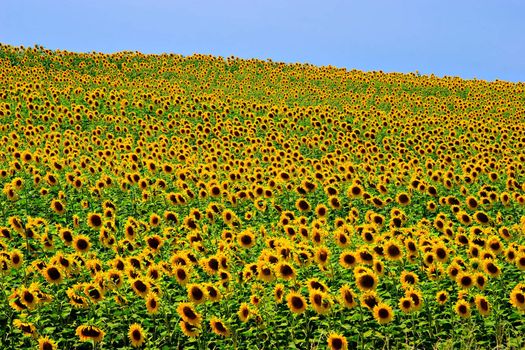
<point>320,301</point>
<point>218,327</point>
<point>58,207</point>
<point>81,243</point>
<point>87,333</point>
<point>285,271</point>
<point>483,305</point>
<point>348,259</point>
<point>366,281</point>
<point>405,304</point>
<point>278,292</point>
<point>53,275</point>
<point>246,239</point>
<point>181,273</point>
<point>417,298</point>
<point>296,302</point>
<point>45,343</point>
<point>348,297</point>
<point>189,329</point>
<point>462,308</point>
<point>28,329</point>
<point>196,293</point>
<point>152,303</point>
<point>408,279</point>
<point>94,220</point>
<point>442,297</point>
<point>302,205</point>
<point>188,313</point>
<point>244,312</point>
<point>383,313</point>
<point>136,335</point>
<point>337,342</point>
<point>393,251</point>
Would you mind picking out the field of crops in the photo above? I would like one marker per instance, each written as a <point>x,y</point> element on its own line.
<point>164,202</point>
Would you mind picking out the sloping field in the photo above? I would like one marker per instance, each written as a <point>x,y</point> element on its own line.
<point>165,202</point>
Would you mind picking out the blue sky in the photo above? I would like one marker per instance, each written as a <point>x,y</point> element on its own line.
<point>466,38</point>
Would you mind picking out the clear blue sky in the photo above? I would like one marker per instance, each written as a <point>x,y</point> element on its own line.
<point>466,38</point>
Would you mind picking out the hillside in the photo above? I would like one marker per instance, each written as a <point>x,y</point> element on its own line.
<point>169,201</point>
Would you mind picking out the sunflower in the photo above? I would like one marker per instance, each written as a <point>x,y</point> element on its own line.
<point>366,280</point>
<point>320,301</point>
<point>278,292</point>
<point>296,302</point>
<point>28,329</point>
<point>196,293</point>
<point>244,312</point>
<point>187,312</point>
<point>408,279</point>
<point>348,259</point>
<point>315,284</point>
<point>17,258</point>
<point>53,275</point>
<point>218,327</point>
<point>229,217</point>
<point>393,251</point>
<point>355,191</point>
<point>347,296</point>
<point>181,273</point>
<point>265,271</point>
<point>94,292</point>
<point>416,296</point>
<point>246,239</point>
<point>302,205</point>
<point>285,271</point>
<point>481,218</point>
<point>491,268</point>
<point>383,313</point>
<point>441,297</point>
<point>81,243</point>
<point>369,299</point>
<point>45,343</point>
<point>190,330</point>
<point>405,304</point>
<point>337,342</point>
<point>66,235</point>
<point>58,207</point>
<point>482,304</point>
<point>321,210</point>
<point>141,286</point>
<point>321,255</point>
<point>94,220</point>
<point>464,280</point>
<point>88,333</point>
<point>403,199</point>
<point>136,335</point>
<point>152,303</point>
<point>28,297</point>
<point>462,308</point>
<point>365,257</point>
<point>212,292</point>
<point>517,297</point>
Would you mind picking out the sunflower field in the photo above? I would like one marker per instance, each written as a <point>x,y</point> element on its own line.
<point>202,202</point>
